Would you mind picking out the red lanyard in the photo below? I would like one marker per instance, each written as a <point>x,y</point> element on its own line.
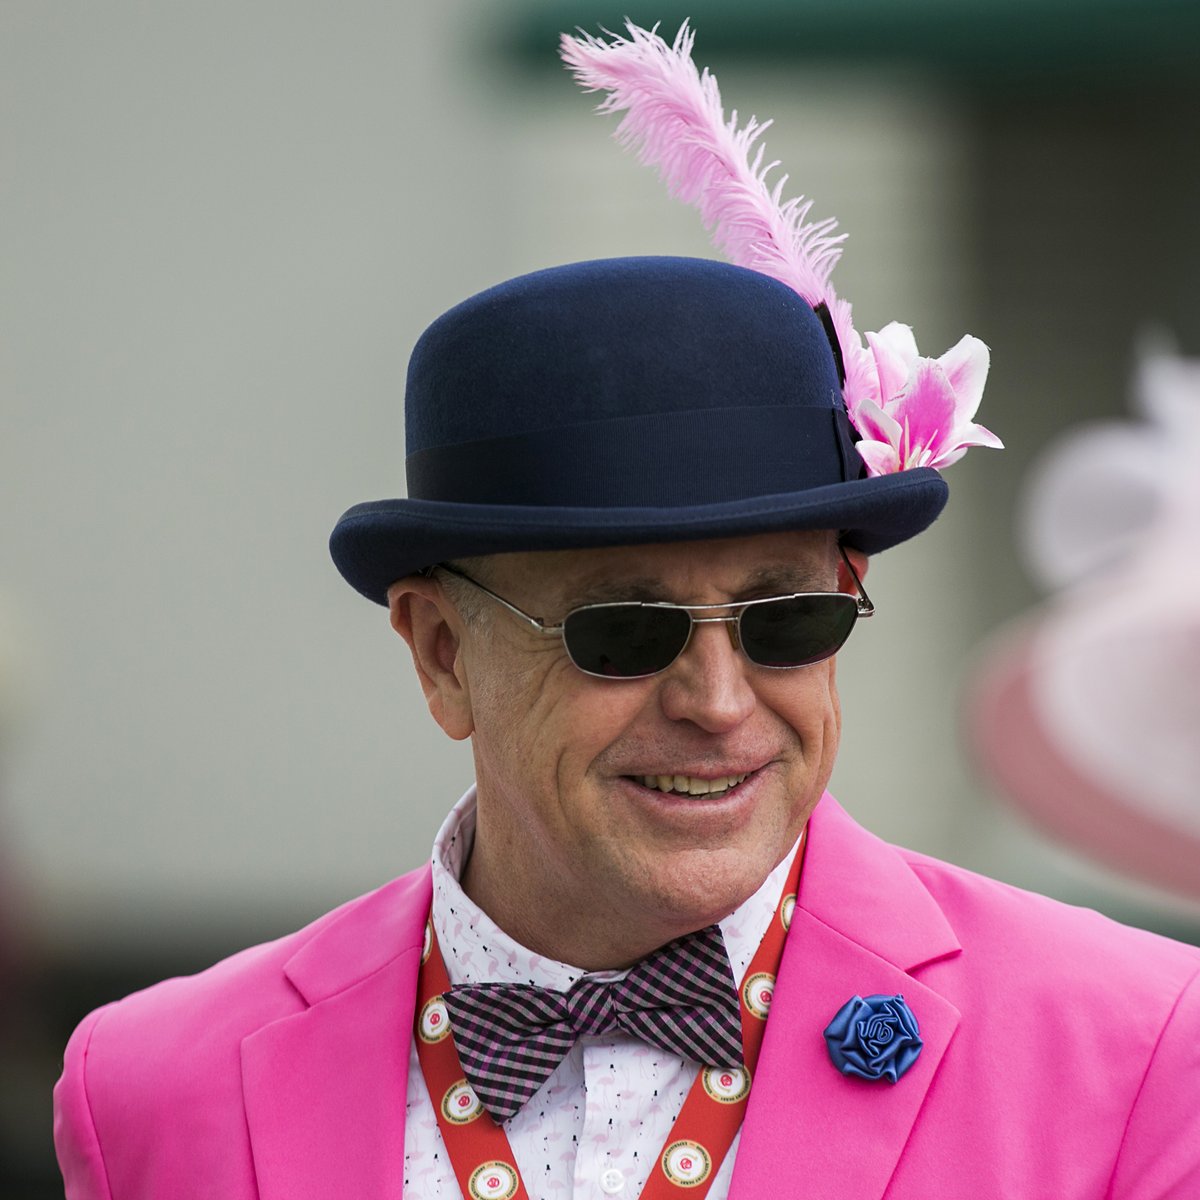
<point>479,1150</point>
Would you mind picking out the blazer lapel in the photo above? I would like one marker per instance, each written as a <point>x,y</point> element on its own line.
<point>863,925</point>
<point>325,1088</point>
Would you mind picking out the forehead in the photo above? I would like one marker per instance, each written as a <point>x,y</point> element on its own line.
<point>699,571</point>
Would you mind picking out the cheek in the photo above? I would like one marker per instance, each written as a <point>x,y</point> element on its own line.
<point>806,700</point>
<point>506,683</point>
<point>812,711</point>
<point>545,722</point>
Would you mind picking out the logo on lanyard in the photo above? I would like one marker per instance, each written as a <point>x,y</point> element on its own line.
<point>686,1163</point>
<point>493,1181</point>
<point>460,1105</point>
<point>435,1021</point>
<point>757,992</point>
<point>726,1085</point>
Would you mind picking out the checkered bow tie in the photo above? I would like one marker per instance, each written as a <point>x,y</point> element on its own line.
<point>682,999</point>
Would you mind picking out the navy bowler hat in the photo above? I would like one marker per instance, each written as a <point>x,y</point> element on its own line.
<point>625,401</point>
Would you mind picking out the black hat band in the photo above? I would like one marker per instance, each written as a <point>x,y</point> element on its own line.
<point>657,460</point>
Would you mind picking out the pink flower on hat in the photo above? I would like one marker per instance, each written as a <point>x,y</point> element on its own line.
<point>922,414</point>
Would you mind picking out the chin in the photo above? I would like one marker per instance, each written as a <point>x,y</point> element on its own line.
<point>705,897</point>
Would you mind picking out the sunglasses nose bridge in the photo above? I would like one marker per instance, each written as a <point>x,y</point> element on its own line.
<point>731,623</point>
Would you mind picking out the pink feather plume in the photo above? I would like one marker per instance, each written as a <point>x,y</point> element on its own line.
<point>674,120</point>
<point>911,411</point>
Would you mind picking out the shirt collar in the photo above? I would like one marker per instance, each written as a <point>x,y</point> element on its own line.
<point>477,950</point>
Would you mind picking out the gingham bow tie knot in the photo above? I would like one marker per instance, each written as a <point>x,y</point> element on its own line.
<point>682,999</point>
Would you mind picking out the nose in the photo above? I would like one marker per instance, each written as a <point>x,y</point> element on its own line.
<point>709,684</point>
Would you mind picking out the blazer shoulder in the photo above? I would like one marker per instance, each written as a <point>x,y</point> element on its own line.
<point>1035,937</point>
<point>150,1100</point>
<point>183,1034</point>
<point>1073,1022</point>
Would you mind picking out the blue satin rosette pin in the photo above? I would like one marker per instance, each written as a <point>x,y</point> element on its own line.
<point>874,1038</point>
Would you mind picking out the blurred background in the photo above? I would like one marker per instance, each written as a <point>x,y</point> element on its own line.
<point>224,225</point>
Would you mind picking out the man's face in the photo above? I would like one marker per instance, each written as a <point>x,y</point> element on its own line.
<point>573,847</point>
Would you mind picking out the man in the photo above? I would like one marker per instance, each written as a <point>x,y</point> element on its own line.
<point>636,535</point>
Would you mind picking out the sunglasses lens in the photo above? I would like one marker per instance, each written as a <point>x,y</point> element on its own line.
<point>624,641</point>
<point>798,630</point>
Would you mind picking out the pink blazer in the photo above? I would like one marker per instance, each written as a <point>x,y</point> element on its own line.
<point>1061,1057</point>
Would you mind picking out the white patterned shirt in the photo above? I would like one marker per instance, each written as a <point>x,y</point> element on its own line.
<point>596,1127</point>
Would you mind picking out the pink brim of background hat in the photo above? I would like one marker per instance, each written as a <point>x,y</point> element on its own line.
<point>1018,746</point>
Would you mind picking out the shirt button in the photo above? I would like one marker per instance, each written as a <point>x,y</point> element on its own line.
<point>611,1181</point>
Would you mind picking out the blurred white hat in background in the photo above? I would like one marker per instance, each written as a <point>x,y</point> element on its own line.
<point>1087,714</point>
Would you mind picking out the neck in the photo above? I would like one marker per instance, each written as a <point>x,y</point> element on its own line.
<point>592,937</point>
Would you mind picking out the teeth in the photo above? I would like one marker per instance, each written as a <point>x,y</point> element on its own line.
<point>689,785</point>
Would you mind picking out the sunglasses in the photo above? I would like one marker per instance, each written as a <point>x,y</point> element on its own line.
<point>633,639</point>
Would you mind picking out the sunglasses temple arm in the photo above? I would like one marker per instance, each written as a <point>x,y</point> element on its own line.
<point>865,607</point>
<point>535,622</point>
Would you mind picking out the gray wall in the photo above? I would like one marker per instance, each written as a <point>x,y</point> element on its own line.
<point>224,227</point>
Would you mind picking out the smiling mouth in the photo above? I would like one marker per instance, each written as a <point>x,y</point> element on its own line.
<point>690,785</point>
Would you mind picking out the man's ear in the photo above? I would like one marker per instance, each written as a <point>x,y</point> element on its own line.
<point>859,561</point>
<point>424,617</point>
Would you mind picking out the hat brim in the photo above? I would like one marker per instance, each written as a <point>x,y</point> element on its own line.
<point>376,543</point>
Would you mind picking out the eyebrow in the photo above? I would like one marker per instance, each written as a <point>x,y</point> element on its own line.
<point>787,578</point>
<point>612,591</point>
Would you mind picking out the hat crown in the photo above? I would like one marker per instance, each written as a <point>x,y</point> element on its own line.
<point>613,339</point>
<point>619,402</point>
